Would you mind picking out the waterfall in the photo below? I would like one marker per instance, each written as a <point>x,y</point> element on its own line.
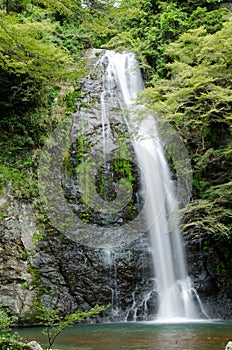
<point>176,293</point>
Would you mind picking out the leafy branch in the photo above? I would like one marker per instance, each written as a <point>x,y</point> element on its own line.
<point>55,324</point>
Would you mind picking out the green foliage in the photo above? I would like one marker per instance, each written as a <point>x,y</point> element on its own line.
<point>37,60</point>
<point>75,38</point>
<point>63,8</point>
<point>25,131</point>
<point>55,324</point>
<point>197,100</point>
<point>30,52</point>
<point>8,341</point>
<point>200,85</point>
<point>99,23</point>
<point>12,342</point>
<point>191,5</point>
<point>205,217</point>
<point>211,20</point>
<point>5,320</point>
<point>23,185</point>
<point>123,166</point>
<point>14,5</point>
<point>37,237</point>
<point>147,27</point>
<point>85,180</point>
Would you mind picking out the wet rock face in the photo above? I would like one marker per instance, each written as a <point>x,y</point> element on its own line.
<point>211,274</point>
<point>101,157</point>
<point>81,276</point>
<point>16,251</point>
<point>65,273</point>
<point>68,275</point>
<point>75,276</point>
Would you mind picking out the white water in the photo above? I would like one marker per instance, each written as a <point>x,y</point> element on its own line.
<point>176,294</point>
<point>112,283</point>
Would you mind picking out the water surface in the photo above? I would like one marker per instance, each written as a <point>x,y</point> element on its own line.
<point>140,336</point>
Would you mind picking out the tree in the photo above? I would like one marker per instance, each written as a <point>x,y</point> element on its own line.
<point>55,323</point>
<point>147,27</point>
<point>197,100</point>
<point>34,64</point>
<point>191,5</point>
<point>14,5</point>
<point>9,340</point>
<point>27,48</point>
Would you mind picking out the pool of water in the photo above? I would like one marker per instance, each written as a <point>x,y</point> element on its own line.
<point>140,336</point>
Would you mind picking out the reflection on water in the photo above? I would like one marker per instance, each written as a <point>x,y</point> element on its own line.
<point>140,336</point>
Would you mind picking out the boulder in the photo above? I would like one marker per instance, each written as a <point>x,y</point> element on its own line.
<point>34,345</point>
<point>229,346</point>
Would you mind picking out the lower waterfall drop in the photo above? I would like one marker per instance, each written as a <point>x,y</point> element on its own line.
<point>176,293</point>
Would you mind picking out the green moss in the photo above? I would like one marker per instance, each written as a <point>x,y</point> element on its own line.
<point>22,183</point>
<point>86,216</point>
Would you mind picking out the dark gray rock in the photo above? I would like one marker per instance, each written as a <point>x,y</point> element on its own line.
<point>211,274</point>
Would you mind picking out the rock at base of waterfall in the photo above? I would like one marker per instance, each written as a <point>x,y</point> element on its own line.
<point>34,345</point>
<point>229,346</point>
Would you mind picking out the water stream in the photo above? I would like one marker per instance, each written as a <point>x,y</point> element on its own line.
<point>176,293</point>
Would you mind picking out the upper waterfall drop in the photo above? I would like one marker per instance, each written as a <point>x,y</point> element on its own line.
<point>176,293</point>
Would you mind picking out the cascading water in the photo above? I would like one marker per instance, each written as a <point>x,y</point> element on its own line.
<point>176,294</point>
<point>110,261</point>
